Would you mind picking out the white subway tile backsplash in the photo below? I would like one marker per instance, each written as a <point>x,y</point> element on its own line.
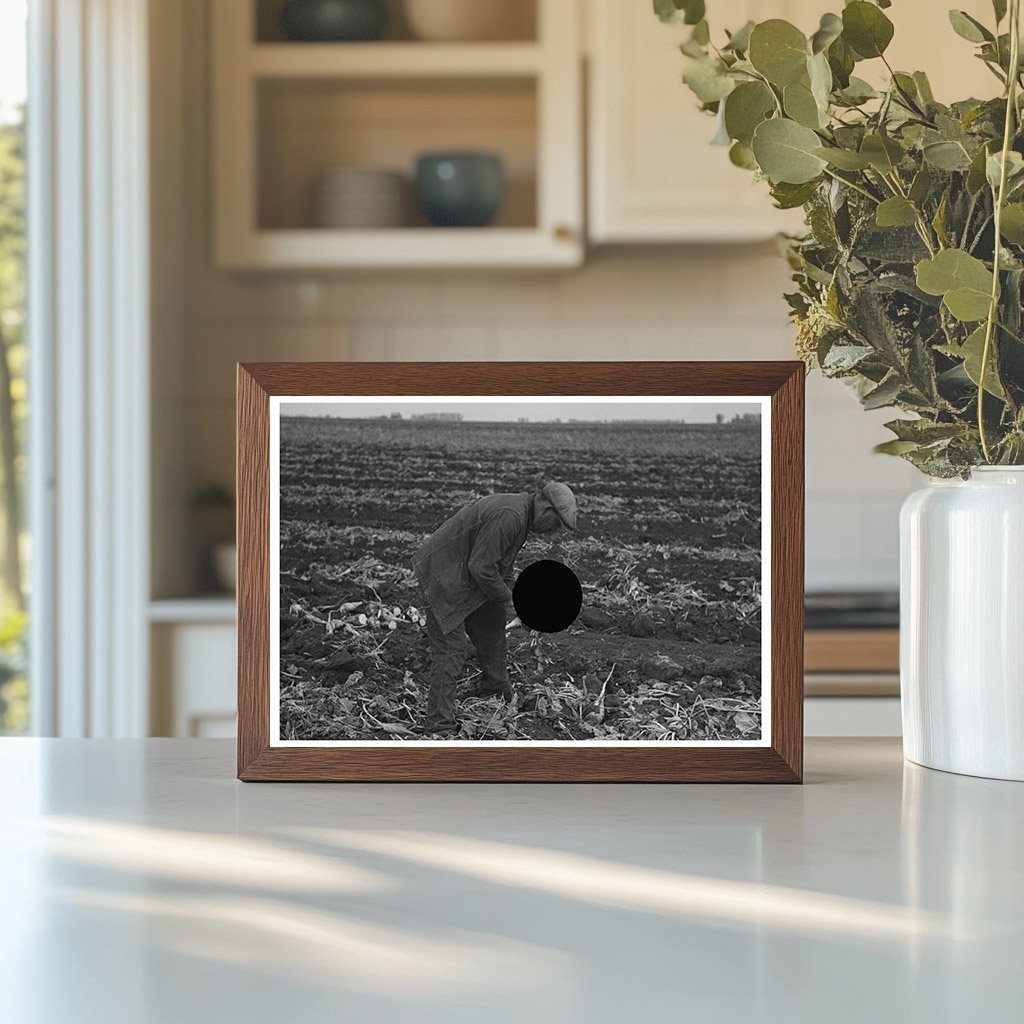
<point>413,296</point>
<point>703,340</point>
<point>645,285</point>
<point>500,298</point>
<point>442,342</point>
<point>248,298</point>
<point>372,343</point>
<point>561,340</point>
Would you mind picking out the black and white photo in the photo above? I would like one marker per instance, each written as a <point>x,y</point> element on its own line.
<point>400,529</point>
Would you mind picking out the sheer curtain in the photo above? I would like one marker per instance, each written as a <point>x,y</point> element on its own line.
<point>88,300</point>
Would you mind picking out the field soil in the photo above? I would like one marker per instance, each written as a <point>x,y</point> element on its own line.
<point>667,646</point>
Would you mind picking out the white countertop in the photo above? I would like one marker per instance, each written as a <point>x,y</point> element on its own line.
<point>142,884</point>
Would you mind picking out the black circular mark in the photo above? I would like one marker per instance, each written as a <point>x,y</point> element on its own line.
<point>547,596</point>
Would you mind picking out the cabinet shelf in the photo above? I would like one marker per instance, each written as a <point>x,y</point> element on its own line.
<point>392,60</point>
<point>310,248</point>
<point>286,114</point>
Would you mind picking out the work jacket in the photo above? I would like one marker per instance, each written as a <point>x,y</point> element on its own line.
<point>468,560</point>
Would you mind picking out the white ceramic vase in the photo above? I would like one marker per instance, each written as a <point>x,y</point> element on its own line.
<point>962,624</point>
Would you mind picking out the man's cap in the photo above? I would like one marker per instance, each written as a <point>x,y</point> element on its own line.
<point>564,502</point>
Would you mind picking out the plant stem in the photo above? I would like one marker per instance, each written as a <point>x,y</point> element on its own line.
<point>981,231</point>
<point>855,187</point>
<point>922,225</point>
<point>768,85</point>
<point>993,309</point>
<point>969,218</point>
<point>1012,334</point>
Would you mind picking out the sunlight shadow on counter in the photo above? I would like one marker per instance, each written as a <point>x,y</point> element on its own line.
<point>647,890</point>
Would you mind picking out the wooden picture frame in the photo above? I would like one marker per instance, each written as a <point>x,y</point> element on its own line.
<point>779,758</point>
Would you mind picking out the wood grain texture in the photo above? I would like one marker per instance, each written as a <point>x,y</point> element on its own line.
<point>252,487</point>
<point>411,762</point>
<point>787,546</point>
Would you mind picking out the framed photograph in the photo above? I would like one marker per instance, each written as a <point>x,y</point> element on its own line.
<point>516,572</point>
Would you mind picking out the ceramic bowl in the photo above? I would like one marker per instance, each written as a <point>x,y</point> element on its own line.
<point>471,20</point>
<point>460,189</point>
<point>334,20</point>
<point>359,197</point>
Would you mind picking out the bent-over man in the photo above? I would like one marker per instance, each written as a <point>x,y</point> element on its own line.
<point>465,570</point>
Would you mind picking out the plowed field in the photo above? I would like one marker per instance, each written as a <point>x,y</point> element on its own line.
<point>667,647</point>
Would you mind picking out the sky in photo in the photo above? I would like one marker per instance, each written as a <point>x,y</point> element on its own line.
<point>688,410</point>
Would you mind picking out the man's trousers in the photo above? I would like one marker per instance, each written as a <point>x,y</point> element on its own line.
<point>486,630</point>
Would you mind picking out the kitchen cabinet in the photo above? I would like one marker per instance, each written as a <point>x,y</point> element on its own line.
<point>286,113</point>
<point>653,175</point>
<point>852,682</point>
<point>192,648</point>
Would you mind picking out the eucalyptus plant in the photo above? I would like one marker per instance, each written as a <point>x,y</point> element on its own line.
<point>909,280</point>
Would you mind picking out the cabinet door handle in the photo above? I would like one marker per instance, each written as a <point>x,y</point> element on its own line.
<point>563,232</point>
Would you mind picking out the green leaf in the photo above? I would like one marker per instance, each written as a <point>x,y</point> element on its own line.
<point>745,108</point>
<point>921,185</point>
<point>820,76</point>
<point>896,212</point>
<point>668,12</point>
<point>858,91</point>
<point>924,87</point>
<point>963,281</point>
<point>997,53</point>
<point>895,447</point>
<point>976,174</point>
<point>883,153</point>
<point>866,29</point>
<point>785,152</point>
<point>1012,224</point>
<point>906,89</point>
<point>675,12</point>
<point>1014,169</point>
<point>841,60</point>
<point>800,105</point>
<point>999,7</point>
<point>789,197</point>
<point>695,11</point>
<point>742,155</point>
<point>885,394</point>
<point>946,156</point>
<point>939,220</point>
<point>844,159</point>
<point>830,28</point>
<point>708,80</point>
<point>969,28</point>
<point>739,41</point>
<point>971,352</point>
<point>923,431</point>
<point>778,50</point>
